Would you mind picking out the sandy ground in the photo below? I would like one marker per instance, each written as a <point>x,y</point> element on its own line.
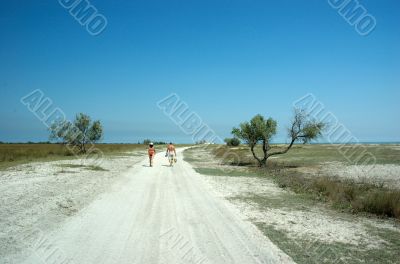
<point>147,215</point>
<point>311,223</point>
<point>388,174</point>
<point>302,224</point>
<point>42,195</point>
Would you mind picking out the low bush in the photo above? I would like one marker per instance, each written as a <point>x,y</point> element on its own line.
<point>232,142</point>
<point>345,195</point>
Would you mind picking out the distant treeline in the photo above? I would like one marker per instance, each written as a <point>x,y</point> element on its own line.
<point>148,141</point>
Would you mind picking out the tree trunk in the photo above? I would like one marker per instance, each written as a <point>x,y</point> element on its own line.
<point>255,156</point>
<point>265,151</point>
<point>83,148</point>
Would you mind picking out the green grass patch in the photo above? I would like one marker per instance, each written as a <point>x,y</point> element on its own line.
<point>284,200</point>
<point>307,251</point>
<point>95,168</point>
<point>191,159</point>
<point>86,167</point>
<point>313,251</point>
<point>227,172</point>
<point>192,155</point>
<point>66,171</point>
<point>72,166</point>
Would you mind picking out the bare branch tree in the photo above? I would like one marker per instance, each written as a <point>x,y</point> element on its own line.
<point>259,129</point>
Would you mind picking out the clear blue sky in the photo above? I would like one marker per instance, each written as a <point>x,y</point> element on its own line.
<point>229,60</point>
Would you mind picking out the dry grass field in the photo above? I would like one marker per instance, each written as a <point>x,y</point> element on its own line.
<point>14,154</point>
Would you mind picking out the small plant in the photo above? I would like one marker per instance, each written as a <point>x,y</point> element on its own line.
<point>95,168</point>
<point>232,142</point>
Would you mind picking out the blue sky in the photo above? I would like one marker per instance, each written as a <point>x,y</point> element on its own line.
<point>228,60</point>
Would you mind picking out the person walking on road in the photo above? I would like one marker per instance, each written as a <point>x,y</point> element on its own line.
<point>171,154</point>
<point>152,152</point>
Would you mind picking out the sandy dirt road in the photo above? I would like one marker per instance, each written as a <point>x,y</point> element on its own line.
<point>156,215</point>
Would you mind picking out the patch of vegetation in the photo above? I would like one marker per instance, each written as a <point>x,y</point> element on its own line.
<point>227,172</point>
<point>95,168</point>
<point>391,251</point>
<point>281,201</point>
<point>72,166</point>
<point>344,195</point>
<point>65,171</point>
<point>192,154</point>
<point>310,155</point>
<point>309,252</point>
<point>190,159</point>
<point>232,142</point>
<point>188,156</point>
<point>310,191</point>
<point>14,154</point>
<point>87,167</point>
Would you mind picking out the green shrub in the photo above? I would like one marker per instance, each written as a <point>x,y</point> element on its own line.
<point>232,142</point>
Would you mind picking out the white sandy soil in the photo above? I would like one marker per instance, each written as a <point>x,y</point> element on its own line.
<point>147,215</point>
<point>310,223</point>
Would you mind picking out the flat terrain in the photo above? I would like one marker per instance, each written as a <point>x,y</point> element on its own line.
<point>15,154</point>
<point>140,215</point>
<point>56,208</point>
<point>308,227</point>
<point>43,194</point>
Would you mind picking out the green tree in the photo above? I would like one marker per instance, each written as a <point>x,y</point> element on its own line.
<point>232,142</point>
<point>77,134</point>
<point>259,129</point>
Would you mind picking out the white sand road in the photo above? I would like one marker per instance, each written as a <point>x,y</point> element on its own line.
<point>156,215</point>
